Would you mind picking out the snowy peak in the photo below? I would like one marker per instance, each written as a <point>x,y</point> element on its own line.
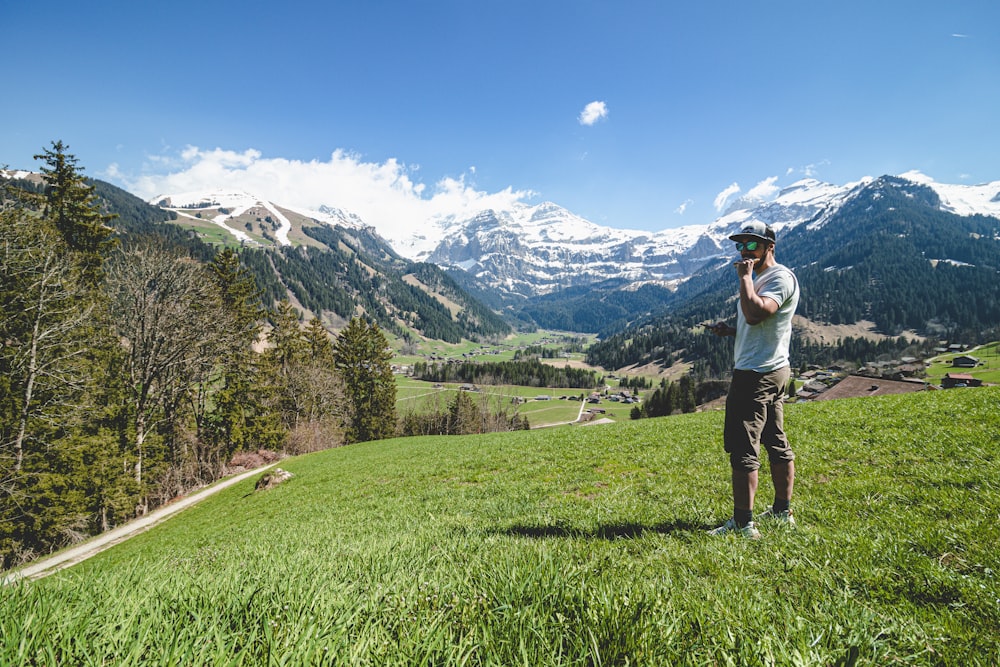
<point>338,216</point>
<point>249,219</point>
<point>983,199</point>
<point>532,250</point>
<point>225,209</point>
<point>202,199</point>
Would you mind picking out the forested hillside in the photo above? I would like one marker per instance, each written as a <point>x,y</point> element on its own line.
<point>894,258</point>
<point>352,272</point>
<point>594,308</point>
<point>358,270</point>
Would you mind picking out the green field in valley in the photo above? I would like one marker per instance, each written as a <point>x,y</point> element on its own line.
<point>565,546</point>
<point>543,406</point>
<point>988,369</point>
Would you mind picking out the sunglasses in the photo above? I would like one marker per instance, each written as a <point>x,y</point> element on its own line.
<point>749,245</point>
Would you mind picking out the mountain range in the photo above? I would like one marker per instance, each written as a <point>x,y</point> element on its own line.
<point>899,253</point>
<point>533,250</point>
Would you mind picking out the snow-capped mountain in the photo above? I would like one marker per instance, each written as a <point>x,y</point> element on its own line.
<point>227,209</point>
<point>530,250</point>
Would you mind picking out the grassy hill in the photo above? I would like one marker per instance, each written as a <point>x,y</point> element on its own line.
<point>569,546</point>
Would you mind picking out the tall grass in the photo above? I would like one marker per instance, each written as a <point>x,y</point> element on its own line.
<point>571,546</point>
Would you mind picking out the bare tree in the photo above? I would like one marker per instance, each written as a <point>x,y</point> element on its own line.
<point>167,313</point>
<point>316,405</point>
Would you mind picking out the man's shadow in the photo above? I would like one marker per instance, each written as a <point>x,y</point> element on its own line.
<point>612,531</point>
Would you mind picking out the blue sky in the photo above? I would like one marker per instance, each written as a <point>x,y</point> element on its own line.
<point>633,114</point>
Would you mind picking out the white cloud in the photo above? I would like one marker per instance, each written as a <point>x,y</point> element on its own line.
<point>763,190</point>
<point>683,207</point>
<point>723,197</point>
<point>112,173</point>
<point>593,112</point>
<point>382,194</point>
<point>810,170</point>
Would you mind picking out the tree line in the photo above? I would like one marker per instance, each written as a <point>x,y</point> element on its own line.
<point>527,373</point>
<point>464,415</point>
<point>128,372</point>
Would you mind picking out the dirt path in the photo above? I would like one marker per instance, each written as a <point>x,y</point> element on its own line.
<point>81,552</point>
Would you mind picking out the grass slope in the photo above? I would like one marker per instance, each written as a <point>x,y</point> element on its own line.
<point>573,546</point>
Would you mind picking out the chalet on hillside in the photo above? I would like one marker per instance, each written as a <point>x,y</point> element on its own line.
<point>965,361</point>
<point>858,385</point>
<point>951,380</point>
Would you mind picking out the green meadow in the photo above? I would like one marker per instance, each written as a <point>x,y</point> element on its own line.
<point>563,546</point>
<point>541,405</point>
<point>500,351</point>
<point>988,370</point>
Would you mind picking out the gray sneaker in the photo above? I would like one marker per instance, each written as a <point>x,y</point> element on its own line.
<point>784,516</point>
<point>730,527</point>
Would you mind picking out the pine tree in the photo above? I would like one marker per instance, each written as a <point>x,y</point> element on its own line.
<point>464,415</point>
<point>285,338</point>
<point>74,210</point>
<point>46,314</point>
<point>240,294</point>
<point>308,392</point>
<point>361,356</point>
<point>318,344</point>
<point>49,377</point>
<point>687,399</point>
<point>239,418</point>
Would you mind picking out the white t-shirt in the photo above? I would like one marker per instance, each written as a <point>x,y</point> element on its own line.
<point>763,347</point>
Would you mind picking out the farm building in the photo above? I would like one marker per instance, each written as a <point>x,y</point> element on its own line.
<point>951,380</point>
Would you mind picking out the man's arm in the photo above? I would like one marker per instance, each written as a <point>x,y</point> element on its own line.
<point>721,329</point>
<point>755,308</point>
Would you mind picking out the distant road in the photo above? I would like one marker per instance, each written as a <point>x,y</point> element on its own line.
<point>81,552</point>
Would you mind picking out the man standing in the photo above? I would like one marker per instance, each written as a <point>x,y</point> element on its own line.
<point>754,406</point>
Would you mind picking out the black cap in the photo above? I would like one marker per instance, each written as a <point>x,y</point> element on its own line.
<point>754,230</point>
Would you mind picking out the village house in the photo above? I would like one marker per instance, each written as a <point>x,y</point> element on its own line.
<point>952,380</point>
<point>965,361</point>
